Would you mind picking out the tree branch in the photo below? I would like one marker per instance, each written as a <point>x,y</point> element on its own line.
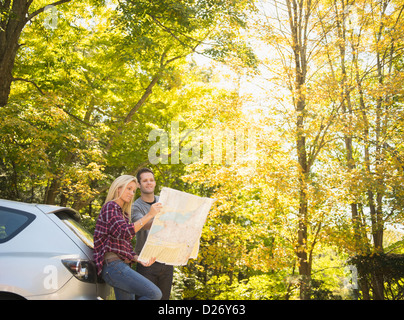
<point>29,81</point>
<point>35,13</point>
<point>169,30</point>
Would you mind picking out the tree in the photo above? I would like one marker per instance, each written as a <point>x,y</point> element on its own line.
<point>377,106</point>
<point>14,16</point>
<point>98,69</point>
<point>159,36</point>
<point>291,29</point>
<point>362,57</point>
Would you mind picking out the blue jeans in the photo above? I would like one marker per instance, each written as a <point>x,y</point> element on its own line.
<point>127,282</point>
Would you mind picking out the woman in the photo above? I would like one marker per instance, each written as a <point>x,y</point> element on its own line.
<point>113,250</point>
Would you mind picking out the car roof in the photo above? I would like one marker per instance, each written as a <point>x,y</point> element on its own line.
<point>45,208</point>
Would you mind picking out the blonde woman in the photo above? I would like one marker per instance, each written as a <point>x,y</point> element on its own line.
<point>113,250</point>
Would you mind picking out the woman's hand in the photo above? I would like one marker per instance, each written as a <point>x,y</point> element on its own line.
<point>155,209</point>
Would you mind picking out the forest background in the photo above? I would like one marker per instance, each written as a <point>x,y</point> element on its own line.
<point>311,207</point>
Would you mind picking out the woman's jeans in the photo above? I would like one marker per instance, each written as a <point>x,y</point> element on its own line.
<point>127,282</point>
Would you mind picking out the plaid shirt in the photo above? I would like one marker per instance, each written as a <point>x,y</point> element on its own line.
<point>113,233</point>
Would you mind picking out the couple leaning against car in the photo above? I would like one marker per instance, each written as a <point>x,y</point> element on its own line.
<point>114,230</point>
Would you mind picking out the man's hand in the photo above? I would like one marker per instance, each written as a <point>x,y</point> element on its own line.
<point>149,263</point>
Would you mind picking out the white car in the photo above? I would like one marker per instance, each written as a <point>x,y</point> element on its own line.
<point>46,254</point>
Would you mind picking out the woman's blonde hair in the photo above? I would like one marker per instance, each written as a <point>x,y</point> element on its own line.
<point>116,190</point>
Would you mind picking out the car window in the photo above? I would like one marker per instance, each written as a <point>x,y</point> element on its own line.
<point>77,228</point>
<point>12,222</point>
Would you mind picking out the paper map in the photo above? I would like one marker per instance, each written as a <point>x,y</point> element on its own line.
<point>176,230</point>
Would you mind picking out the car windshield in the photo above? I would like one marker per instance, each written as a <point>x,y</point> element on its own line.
<point>77,228</point>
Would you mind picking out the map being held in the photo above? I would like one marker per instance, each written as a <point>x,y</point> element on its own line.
<point>176,230</point>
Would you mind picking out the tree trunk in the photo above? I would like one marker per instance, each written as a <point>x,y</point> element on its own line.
<point>10,31</point>
<point>6,68</point>
<point>347,111</point>
<point>299,14</point>
<point>52,191</point>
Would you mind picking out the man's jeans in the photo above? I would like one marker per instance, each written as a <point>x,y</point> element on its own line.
<point>127,282</point>
<point>160,274</point>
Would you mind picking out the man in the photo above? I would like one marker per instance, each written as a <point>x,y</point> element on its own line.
<point>160,274</point>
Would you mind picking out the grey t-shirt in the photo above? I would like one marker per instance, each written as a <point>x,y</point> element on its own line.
<point>139,209</point>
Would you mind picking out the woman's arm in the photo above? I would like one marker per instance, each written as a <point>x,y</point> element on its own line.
<point>154,210</point>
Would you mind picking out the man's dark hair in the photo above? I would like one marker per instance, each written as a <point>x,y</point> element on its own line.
<point>143,170</point>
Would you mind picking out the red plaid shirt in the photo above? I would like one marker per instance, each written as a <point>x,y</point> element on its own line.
<point>113,233</point>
